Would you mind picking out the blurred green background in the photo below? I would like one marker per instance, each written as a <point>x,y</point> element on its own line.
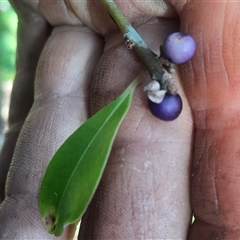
<point>8,27</point>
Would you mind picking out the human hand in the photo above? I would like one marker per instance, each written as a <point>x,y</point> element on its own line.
<point>145,190</point>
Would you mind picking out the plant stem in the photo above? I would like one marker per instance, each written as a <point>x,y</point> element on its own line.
<point>134,40</point>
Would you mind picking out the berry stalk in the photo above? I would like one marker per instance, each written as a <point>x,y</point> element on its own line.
<point>134,41</point>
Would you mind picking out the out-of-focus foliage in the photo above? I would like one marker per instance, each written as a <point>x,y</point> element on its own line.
<point>8,27</point>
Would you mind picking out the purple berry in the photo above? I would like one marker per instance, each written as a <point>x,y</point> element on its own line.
<point>169,109</point>
<point>178,48</point>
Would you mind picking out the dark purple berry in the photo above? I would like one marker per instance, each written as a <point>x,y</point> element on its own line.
<point>178,48</point>
<point>169,109</point>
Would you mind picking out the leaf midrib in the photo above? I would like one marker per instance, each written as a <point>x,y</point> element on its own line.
<point>109,116</point>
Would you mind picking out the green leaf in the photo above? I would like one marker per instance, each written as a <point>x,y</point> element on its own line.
<point>75,171</point>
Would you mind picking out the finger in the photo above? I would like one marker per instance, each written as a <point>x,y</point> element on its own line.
<point>133,10</point>
<point>212,86</point>
<point>32,34</point>
<point>64,71</point>
<point>144,190</point>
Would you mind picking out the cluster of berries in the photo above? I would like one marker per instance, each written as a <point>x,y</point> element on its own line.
<point>178,48</point>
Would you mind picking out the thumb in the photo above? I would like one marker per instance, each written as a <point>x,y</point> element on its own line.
<point>212,88</point>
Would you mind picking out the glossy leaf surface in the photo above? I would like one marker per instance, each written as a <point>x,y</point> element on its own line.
<point>76,169</point>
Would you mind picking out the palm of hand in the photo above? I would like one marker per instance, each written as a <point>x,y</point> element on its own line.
<point>81,69</point>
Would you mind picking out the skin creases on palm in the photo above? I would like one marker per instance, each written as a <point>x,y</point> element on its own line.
<point>155,156</point>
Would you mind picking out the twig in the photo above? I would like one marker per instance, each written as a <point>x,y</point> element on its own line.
<point>134,41</point>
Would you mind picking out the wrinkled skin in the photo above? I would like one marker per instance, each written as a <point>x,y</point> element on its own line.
<point>73,56</point>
